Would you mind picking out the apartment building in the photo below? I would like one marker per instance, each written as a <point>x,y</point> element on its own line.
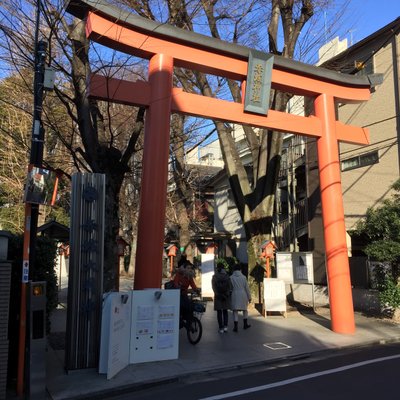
<point>367,172</point>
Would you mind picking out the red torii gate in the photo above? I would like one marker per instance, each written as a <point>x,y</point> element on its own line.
<point>167,47</point>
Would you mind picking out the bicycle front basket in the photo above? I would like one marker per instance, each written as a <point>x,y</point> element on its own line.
<point>199,307</point>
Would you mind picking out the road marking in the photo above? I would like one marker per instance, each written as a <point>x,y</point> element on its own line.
<point>299,378</point>
<point>277,346</point>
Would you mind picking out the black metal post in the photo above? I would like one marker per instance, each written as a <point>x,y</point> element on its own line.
<point>37,144</point>
<point>32,210</point>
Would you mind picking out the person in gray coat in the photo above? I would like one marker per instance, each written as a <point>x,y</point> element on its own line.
<point>222,287</point>
<point>240,298</point>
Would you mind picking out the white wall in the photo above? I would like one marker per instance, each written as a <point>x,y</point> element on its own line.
<point>227,218</point>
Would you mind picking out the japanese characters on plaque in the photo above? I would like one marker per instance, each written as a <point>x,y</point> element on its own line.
<point>90,251</point>
<point>258,84</point>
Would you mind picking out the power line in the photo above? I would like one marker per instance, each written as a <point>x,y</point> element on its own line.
<point>378,122</point>
<point>368,145</point>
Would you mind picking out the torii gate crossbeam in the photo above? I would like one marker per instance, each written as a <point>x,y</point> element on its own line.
<point>167,47</point>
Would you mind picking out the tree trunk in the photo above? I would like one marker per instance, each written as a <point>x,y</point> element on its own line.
<point>111,258</point>
<point>184,230</point>
<point>131,269</point>
<point>183,195</point>
<point>101,157</point>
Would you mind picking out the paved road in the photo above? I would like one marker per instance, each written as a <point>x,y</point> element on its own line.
<point>367,374</point>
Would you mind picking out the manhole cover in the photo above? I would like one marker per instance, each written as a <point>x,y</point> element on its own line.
<point>277,346</point>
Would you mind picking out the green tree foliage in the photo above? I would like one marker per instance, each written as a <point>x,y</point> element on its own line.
<point>15,129</point>
<point>382,228</point>
<point>15,126</point>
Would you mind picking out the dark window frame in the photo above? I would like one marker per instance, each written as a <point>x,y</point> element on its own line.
<point>361,160</point>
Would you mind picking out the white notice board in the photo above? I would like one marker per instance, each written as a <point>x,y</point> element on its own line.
<point>115,333</point>
<point>155,325</point>
<point>303,269</point>
<point>274,295</point>
<point>284,266</point>
<point>295,267</point>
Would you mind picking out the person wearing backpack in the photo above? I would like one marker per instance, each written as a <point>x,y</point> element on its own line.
<point>222,287</point>
<point>241,297</point>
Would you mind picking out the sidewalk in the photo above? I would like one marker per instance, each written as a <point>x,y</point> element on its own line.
<point>269,340</point>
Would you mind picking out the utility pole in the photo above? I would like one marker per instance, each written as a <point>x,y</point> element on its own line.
<point>31,210</point>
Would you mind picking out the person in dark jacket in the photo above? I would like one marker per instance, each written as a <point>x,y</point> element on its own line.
<point>184,278</point>
<point>222,287</point>
<point>241,297</point>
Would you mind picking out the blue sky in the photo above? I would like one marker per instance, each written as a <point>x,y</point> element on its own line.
<point>371,15</point>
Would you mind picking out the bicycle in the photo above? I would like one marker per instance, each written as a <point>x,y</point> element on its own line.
<point>193,326</point>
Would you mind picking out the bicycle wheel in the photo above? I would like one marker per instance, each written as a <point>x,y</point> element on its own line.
<point>194,330</point>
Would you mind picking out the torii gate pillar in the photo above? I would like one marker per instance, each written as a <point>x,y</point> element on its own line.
<point>337,262</point>
<point>153,192</point>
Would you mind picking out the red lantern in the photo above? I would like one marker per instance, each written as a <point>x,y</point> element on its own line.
<point>172,250</point>
<point>267,251</point>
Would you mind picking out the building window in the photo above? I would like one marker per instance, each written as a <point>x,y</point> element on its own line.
<point>360,161</point>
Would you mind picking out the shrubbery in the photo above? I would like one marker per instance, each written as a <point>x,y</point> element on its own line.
<point>382,228</point>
